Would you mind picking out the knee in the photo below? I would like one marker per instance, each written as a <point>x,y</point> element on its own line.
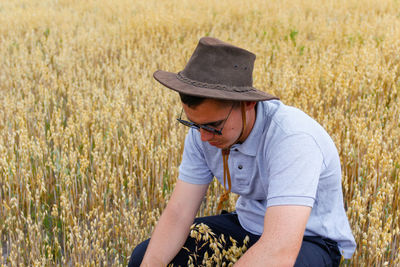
<point>137,254</point>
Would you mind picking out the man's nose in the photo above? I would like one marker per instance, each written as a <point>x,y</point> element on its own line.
<point>206,135</point>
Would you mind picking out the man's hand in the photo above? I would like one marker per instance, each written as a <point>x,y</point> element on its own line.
<point>281,240</point>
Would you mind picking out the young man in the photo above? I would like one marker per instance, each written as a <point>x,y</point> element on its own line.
<point>281,162</point>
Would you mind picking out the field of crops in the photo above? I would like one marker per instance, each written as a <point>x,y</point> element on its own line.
<point>89,144</point>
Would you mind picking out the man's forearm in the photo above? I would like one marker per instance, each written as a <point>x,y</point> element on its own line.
<point>173,227</point>
<point>167,239</point>
<point>263,255</point>
<point>281,239</point>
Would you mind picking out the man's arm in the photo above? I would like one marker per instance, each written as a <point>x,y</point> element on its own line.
<point>281,240</point>
<point>173,227</point>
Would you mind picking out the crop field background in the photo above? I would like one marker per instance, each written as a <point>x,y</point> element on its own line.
<point>89,144</point>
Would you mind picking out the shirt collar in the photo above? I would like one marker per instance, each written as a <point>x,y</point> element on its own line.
<point>251,144</point>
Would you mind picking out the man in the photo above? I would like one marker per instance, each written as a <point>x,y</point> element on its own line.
<point>282,163</point>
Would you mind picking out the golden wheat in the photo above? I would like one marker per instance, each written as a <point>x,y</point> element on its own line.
<point>89,146</point>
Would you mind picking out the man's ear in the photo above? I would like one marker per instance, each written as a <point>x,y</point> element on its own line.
<point>250,104</point>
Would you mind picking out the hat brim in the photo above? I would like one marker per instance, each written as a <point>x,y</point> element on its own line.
<point>170,80</point>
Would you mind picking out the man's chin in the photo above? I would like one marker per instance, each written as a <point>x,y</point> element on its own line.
<point>218,145</point>
<point>214,144</point>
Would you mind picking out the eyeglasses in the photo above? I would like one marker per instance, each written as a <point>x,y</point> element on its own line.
<point>204,126</point>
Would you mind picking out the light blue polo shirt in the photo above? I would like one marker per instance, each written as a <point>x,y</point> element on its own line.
<point>288,159</point>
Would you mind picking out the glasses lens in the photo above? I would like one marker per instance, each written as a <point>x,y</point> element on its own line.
<point>211,130</point>
<point>197,126</point>
<point>188,124</point>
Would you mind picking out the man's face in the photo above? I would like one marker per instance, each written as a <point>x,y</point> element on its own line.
<point>214,113</point>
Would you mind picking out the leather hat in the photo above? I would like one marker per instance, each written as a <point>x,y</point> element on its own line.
<point>216,70</point>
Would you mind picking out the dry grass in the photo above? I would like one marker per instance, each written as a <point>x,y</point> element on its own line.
<point>89,146</point>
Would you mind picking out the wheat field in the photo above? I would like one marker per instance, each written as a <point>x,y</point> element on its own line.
<point>89,144</point>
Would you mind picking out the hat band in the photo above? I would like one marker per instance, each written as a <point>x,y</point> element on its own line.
<point>222,87</point>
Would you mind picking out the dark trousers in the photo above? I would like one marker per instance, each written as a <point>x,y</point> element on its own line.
<point>315,251</point>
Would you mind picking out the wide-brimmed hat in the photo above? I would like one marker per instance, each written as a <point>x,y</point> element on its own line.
<point>216,70</point>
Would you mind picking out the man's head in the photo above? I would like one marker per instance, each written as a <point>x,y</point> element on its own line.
<point>216,89</point>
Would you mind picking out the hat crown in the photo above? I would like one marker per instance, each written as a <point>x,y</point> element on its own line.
<point>217,62</point>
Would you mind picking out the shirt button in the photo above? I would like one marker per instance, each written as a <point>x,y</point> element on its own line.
<point>240,167</point>
<point>236,149</point>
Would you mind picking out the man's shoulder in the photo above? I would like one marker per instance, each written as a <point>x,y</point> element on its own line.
<point>290,124</point>
<point>289,120</point>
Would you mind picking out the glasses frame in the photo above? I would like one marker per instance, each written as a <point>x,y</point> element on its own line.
<point>204,126</point>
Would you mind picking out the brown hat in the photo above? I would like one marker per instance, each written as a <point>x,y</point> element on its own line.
<point>216,70</point>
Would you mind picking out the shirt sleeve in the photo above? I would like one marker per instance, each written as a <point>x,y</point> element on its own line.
<point>295,165</point>
<point>193,168</point>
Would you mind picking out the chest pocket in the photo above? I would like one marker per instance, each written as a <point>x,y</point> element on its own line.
<point>246,182</point>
